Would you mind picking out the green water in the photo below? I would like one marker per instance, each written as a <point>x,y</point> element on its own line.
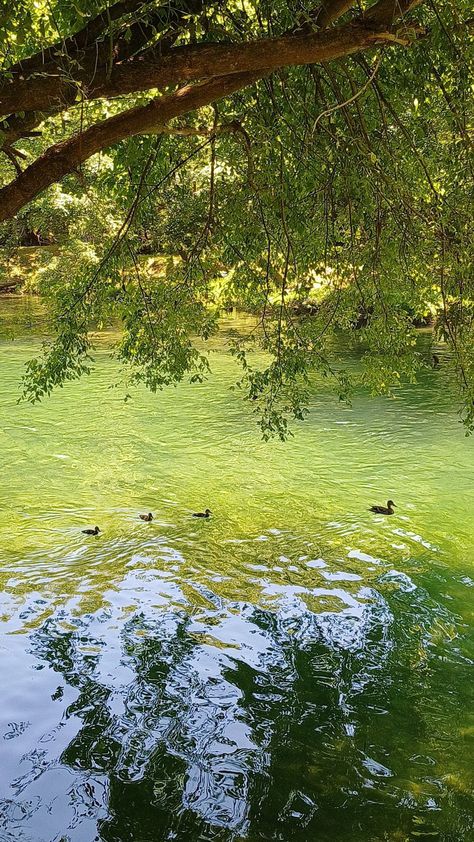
<point>295,668</point>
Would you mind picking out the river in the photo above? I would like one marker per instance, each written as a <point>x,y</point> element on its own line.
<point>294,668</point>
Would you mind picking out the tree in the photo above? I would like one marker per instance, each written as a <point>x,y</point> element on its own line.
<point>298,150</point>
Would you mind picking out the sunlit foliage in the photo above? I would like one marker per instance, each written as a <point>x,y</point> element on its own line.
<point>322,197</point>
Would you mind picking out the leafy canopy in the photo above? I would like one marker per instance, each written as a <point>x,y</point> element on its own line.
<point>321,196</point>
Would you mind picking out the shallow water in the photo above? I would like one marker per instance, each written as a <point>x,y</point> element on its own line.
<point>293,668</point>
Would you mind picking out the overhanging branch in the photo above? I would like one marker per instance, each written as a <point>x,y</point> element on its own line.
<point>192,63</point>
<point>90,54</point>
<point>226,67</point>
<point>66,157</point>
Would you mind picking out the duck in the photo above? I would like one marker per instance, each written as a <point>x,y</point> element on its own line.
<point>94,531</point>
<point>147,518</point>
<point>384,510</point>
<point>206,513</point>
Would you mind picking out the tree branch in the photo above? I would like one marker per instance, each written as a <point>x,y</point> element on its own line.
<point>331,10</point>
<point>66,157</point>
<point>15,127</point>
<point>51,62</point>
<point>228,68</point>
<point>82,39</point>
<point>88,55</point>
<point>388,11</point>
<point>193,62</point>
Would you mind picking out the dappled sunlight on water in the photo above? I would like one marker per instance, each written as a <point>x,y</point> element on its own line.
<point>295,667</point>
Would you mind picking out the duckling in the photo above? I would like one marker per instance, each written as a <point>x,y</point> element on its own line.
<point>384,510</point>
<point>147,518</point>
<point>94,531</point>
<point>206,513</point>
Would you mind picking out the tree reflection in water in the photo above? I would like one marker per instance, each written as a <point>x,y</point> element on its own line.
<point>226,722</point>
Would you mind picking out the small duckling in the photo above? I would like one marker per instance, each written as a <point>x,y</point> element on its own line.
<point>147,518</point>
<point>384,510</point>
<point>94,531</point>
<point>206,513</point>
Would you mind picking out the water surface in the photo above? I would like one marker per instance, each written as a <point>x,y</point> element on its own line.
<point>293,668</point>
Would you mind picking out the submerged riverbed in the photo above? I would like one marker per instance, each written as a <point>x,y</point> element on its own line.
<point>293,668</point>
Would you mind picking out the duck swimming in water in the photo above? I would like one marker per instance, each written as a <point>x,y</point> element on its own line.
<point>384,510</point>
<point>206,513</point>
<point>147,518</point>
<point>94,531</point>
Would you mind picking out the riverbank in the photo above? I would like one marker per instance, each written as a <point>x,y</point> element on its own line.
<point>22,268</point>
